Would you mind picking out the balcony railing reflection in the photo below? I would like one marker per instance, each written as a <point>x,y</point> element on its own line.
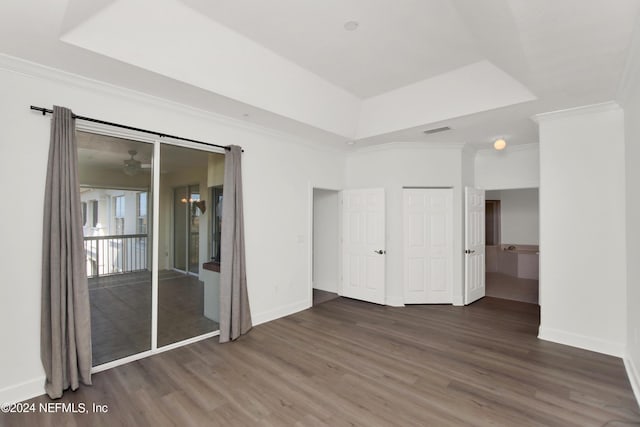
<point>123,253</point>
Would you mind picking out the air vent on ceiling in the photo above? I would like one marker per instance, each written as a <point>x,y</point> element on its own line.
<point>436,130</point>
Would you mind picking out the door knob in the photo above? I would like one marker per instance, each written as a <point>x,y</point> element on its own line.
<point>379,252</point>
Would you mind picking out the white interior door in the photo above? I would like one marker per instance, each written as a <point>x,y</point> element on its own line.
<point>474,239</point>
<point>428,245</point>
<point>363,244</point>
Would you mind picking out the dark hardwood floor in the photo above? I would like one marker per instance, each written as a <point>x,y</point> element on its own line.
<point>346,362</point>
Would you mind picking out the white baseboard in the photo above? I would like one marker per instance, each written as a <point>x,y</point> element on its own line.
<point>279,312</point>
<point>634,376</point>
<point>458,300</point>
<point>23,391</point>
<point>395,301</point>
<point>582,341</point>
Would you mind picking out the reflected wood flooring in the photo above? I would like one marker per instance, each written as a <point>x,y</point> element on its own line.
<point>121,312</point>
<point>320,296</point>
<point>503,286</point>
<point>347,362</point>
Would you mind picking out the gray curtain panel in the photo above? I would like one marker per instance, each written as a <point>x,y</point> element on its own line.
<point>235,316</point>
<point>65,342</point>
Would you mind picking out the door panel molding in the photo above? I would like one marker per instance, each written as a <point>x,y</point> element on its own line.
<point>428,245</point>
<point>474,237</point>
<point>363,245</point>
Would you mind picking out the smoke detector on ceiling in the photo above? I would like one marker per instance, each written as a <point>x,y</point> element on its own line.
<point>351,25</point>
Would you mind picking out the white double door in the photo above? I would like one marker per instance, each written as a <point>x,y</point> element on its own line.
<point>428,245</point>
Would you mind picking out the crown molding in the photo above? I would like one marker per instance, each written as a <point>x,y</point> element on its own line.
<point>426,146</point>
<point>470,148</point>
<point>577,111</point>
<point>532,146</point>
<point>34,70</point>
<point>631,67</point>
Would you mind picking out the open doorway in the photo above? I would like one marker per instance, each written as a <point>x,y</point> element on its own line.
<point>326,245</point>
<point>512,239</point>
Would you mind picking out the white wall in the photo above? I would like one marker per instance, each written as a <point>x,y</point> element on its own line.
<point>469,166</point>
<point>215,172</point>
<point>582,228</point>
<point>326,240</point>
<point>519,219</point>
<point>516,166</point>
<point>630,92</point>
<point>394,166</point>
<point>276,168</point>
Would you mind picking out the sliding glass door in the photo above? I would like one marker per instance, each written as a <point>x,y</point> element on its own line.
<point>181,289</point>
<point>140,304</point>
<point>116,184</point>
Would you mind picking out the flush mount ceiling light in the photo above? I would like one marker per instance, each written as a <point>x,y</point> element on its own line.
<point>500,144</point>
<point>351,25</point>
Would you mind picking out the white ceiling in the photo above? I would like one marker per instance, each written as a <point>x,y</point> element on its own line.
<point>291,65</point>
<point>397,43</point>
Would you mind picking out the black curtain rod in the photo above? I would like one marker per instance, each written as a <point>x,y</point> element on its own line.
<point>44,111</point>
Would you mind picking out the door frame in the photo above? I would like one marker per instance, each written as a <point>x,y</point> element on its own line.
<point>310,187</point>
<point>531,186</point>
<point>187,234</point>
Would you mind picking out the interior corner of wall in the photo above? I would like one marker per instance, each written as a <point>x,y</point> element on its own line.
<point>276,313</point>
<point>584,342</point>
<point>634,375</point>
<point>395,301</point>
